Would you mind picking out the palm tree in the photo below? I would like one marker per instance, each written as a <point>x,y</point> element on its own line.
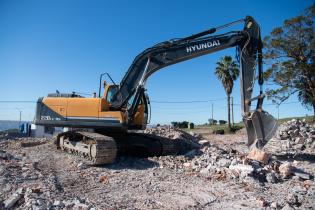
<point>227,71</point>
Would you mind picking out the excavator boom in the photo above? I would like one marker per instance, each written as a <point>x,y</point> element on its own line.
<point>259,124</point>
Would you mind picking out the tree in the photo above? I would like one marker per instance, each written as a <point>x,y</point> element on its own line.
<point>227,72</point>
<point>212,121</point>
<point>290,55</point>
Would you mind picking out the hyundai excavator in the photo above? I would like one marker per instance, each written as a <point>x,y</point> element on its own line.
<point>123,108</point>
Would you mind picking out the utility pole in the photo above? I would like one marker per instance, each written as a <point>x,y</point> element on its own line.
<point>20,117</point>
<point>278,105</point>
<point>20,120</point>
<point>232,113</point>
<point>212,113</point>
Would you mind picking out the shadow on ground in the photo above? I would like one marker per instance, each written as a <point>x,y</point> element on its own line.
<point>299,157</point>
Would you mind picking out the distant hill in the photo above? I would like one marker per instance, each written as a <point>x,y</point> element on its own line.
<point>9,124</point>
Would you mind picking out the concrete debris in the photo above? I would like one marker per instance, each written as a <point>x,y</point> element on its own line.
<point>31,143</point>
<point>285,170</point>
<point>82,165</point>
<point>241,168</point>
<point>188,140</point>
<point>271,177</point>
<point>259,155</point>
<point>15,197</point>
<point>288,207</point>
<point>204,142</point>
<point>261,202</point>
<point>217,174</point>
<point>300,173</point>
<point>297,135</point>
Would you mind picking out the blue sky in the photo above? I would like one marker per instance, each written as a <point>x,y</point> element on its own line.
<point>65,45</point>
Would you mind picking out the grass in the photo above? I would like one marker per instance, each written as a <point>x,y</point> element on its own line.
<point>240,125</point>
<point>308,119</point>
<point>217,128</point>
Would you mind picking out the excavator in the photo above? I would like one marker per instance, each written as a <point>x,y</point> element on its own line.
<point>101,126</point>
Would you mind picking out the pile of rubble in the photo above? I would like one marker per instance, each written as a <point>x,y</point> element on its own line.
<point>173,133</point>
<point>23,184</point>
<point>180,141</point>
<point>216,163</point>
<point>297,135</point>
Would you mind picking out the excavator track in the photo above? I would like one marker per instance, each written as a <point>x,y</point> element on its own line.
<point>135,143</point>
<point>95,148</point>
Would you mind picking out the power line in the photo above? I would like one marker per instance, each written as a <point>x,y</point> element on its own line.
<point>187,102</point>
<point>18,101</point>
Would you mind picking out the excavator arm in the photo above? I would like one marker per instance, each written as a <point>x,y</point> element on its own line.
<point>259,124</point>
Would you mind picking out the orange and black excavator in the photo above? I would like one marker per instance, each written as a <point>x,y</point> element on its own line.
<point>125,107</point>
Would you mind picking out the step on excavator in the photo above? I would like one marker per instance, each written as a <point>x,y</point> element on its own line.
<point>104,125</point>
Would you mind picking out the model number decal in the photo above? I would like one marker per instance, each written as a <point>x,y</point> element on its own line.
<point>49,118</point>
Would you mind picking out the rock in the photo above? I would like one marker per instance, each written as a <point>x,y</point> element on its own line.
<point>187,164</point>
<point>31,143</point>
<point>292,199</point>
<point>204,171</point>
<point>4,155</point>
<point>80,206</point>
<point>246,169</point>
<point>224,162</point>
<point>7,187</point>
<point>285,170</point>
<point>82,166</point>
<point>259,155</point>
<point>58,203</point>
<point>287,207</point>
<point>261,202</point>
<point>36,190</point>
<point>103,179</point>
<point>2,170</point>
<point>271,177</point>
<point>204,143</point>
<point>274,205</point>
<point>300,173</point>
<point>10,202</point>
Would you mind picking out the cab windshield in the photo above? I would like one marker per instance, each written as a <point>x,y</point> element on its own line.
<point>111,91</point>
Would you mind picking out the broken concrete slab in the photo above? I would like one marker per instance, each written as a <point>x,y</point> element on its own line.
<point>300,173</point>
<point>247,169</point>
<point>259,155</point>
<point>15,197</point>
<point>285,169</point>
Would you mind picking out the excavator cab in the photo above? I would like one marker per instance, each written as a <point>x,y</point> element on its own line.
<point>138,120</point>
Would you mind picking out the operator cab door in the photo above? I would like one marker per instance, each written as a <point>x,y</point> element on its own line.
<point>140,119</point>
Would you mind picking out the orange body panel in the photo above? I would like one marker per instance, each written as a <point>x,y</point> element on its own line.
<point>59,106</point>
<point>82,107</point>
<point>91,108</point>
<point>139,116</point>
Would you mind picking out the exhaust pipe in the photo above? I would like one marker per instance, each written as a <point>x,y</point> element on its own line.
<point>260,127</point>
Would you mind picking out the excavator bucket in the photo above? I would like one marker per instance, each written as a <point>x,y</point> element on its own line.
<point>260,126</point>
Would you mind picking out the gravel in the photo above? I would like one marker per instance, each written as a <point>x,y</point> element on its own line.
<point>216,175</point>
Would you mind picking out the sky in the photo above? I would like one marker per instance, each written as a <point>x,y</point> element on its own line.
<point>49,45</point>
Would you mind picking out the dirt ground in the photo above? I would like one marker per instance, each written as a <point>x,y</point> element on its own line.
<point>51,179</point>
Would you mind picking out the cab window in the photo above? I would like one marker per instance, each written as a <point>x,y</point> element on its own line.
<point>111,91</point>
